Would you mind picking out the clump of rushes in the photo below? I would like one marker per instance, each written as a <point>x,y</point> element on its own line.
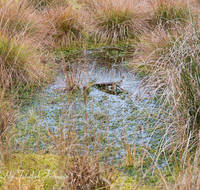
<point>6,121</point>
<point>17,18</point>
<point>64,25</point>
<point>166,12</point>
<point>20,62</point>
<point>119,19</point>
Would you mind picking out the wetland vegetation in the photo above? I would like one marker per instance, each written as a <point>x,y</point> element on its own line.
<point>99,94</point>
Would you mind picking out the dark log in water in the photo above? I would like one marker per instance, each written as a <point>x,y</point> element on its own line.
<point>105,84</point>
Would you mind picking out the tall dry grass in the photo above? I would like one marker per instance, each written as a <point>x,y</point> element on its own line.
<point>174,81</point>
<point>17,18</point>
<point>155,44</point>
<point>44,4</point>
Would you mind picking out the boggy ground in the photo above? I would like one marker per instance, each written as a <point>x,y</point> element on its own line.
<point>142,136</point>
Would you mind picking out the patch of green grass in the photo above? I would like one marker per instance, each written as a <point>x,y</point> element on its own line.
<point>33,170</point>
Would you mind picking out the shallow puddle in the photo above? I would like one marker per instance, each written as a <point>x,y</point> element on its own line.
<point>99,120</point>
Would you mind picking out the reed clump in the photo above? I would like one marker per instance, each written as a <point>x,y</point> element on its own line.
<point>156,44</point>
<point>184,59</point>
<point>7,119</point>
<point>83,173</point>
<point>73,78</point>
<point>181,62</point>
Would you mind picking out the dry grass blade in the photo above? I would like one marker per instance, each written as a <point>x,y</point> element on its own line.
<point>6,122</point>
<point>43,4</point>
<point>175,85</point>
<point>72,78</point>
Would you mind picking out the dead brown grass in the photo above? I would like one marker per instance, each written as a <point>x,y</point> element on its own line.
<point>156,43</point>
<point>44,4</point>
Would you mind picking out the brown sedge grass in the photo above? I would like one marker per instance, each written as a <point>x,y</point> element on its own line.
<point>20,56</point>
<point>113,20</point>
<point>18,19</point>
<point>44,4</point>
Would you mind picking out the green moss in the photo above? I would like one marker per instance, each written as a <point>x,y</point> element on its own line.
<point>38,168</point>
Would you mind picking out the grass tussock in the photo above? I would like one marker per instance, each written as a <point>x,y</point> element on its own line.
<point>73,78</point>
<point>184,59</point>
<point>17,18</point>
<point>157,43</point>
<point>7,119</point>
<point>83,173</point>
<point>180,59</point>
<point>116,19</point>
<point>20,63</point>
<point>166,12</point>
<point>64,26</point>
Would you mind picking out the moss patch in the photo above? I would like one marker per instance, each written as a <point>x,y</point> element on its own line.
<point>33,171</point>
